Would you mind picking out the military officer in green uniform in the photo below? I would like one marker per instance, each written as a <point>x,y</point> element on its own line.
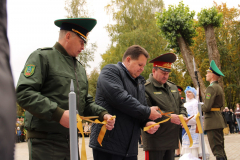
<point>43,89</point>
<point>164,94</point>
<point>213,119</point>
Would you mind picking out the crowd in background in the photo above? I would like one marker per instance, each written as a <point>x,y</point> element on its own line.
<point>20,131</point>
<point>232,119</point>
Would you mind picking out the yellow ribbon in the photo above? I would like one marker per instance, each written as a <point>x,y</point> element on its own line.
<point>103,130</point>
<point>148,127</point>
<point>182,121</point>
<point>186,129</point>
<point>199,123</point>
<point>80,127</point>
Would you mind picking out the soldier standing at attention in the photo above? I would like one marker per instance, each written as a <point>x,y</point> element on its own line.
<point>43,89</point>
<point>213,119</point>
<point>164,94</point>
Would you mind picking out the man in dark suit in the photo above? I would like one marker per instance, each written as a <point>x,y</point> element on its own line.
<point>7,92</point>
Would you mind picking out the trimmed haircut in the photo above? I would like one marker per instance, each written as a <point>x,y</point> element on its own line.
<point>134,52</point>
<point>62,34</point>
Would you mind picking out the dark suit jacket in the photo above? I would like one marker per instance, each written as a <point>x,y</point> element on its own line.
<point>7,92</point>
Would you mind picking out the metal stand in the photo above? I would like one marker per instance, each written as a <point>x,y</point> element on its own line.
<point>202,134</point>
<point>73,123</point>
<point>200,112</point>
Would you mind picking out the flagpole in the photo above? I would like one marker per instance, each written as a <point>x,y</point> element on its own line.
<point>73,123</point>
<point>200,112</point>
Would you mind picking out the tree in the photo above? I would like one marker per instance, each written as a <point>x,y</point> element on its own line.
<point>135,24</point>
<point>228,38</point>
<point>92,80</point>
<point>78,9</point>
<point>177,26</point>
<point>210,18</point>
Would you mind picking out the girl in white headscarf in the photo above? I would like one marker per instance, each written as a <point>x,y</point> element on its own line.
<point>192,109</point>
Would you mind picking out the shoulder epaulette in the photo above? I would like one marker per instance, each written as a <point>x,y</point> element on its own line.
<point>171,82</point>
<point>147,82</point>
<point>45,48</point>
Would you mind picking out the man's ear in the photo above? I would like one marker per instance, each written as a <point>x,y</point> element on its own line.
<point>67,36</point>
<point>153,70</point>
<point>128,59</point>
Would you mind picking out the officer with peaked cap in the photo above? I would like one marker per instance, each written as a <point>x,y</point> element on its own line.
<point>164,94</point>
<point>43,89</point>
<point>213,119</point>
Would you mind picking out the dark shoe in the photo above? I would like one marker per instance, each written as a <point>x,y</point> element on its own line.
<point>220,158</point>
<point>177,155</point>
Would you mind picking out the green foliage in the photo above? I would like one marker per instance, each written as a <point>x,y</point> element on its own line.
<point>177,22</point>
<point>135,24</point>
<point>20,111</point>
<point>92,80</point>
<point>179,74</point>
<point>87,54</point>
<point>210,17</point>
<point>228,42</point>
<point>78,9</point>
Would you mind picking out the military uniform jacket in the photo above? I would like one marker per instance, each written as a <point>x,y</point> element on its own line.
<point>167,98</point>
<point>44,94</point>
<point>213,99</point>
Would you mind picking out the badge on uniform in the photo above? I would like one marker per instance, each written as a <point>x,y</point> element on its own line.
<point>29,70</point>
<point>173,91</point>
<point>208,96</point>
<point>157,92</point>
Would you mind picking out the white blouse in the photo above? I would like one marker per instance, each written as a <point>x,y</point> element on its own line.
<point>192,109</point>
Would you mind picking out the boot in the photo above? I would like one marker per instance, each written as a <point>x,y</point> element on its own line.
<point>220,158</point>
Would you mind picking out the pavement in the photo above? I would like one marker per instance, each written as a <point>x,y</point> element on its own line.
<point>232,144</point>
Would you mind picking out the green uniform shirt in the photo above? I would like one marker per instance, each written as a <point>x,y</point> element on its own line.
<point>167,98</point>
<point>213,99</point>
<point>44,85</point>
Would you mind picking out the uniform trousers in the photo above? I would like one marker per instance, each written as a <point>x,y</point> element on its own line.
<point>160,155</point>
<point>48,149</point>
<point>100,155</point>
<point>216,142</point>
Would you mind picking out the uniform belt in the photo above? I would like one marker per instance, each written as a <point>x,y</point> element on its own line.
<point>47,135</point>
<point>215,109</point>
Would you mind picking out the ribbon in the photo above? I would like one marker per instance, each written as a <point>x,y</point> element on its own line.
<point>148,127</point>
<point>199,127</point>
<point>186,129</point>
<point>100,136</point>
<point>80,127</point>
<point>181,119</point>
<point>103,130</point>
<point>163,114</point>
